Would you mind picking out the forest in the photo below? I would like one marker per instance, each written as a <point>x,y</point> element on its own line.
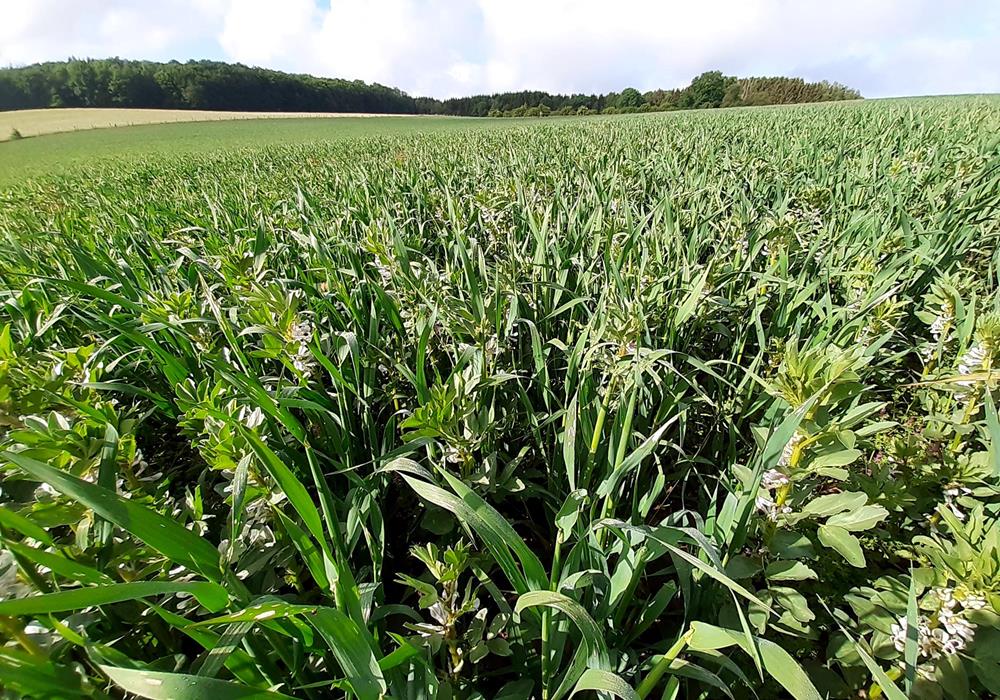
<point>213,85</point>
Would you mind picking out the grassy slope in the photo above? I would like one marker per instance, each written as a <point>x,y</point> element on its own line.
<point>55,153</point>
<point>36,122</point>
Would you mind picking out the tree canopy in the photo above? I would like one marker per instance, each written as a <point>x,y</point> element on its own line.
<point>116,82</point>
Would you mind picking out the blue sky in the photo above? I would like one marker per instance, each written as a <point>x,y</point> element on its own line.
<point>445,48</point>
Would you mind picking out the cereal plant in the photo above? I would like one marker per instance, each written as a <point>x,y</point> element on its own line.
<point>687,405</point>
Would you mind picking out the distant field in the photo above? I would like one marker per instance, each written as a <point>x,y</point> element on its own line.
<point>36,122</point>
<point>58,152</point>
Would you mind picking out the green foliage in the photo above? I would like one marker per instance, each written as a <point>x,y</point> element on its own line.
<point>220,86</point>
<point>116,82</point>
<point>689,406</point>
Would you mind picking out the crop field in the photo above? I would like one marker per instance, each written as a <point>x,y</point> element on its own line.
<point>692,405</point>
<point>62,152</point>
<point>36,122</point>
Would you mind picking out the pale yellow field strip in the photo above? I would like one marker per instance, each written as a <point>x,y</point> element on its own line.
<point>35,122</point>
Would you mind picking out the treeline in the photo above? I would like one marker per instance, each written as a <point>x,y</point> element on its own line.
<point>192,85</point>
<point>224,86</point>
<point>707,91</point>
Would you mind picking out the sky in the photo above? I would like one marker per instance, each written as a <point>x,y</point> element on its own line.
<point>447,48</point>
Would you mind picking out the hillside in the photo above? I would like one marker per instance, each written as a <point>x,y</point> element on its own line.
<point>37,122</point>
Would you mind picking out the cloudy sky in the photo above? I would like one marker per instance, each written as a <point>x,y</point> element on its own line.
<point>445,48</point>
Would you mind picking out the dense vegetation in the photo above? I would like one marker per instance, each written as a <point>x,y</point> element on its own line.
<point>708,90</point>
<point>222,86</point>
<point>698,405</point>
<point>192,85</point>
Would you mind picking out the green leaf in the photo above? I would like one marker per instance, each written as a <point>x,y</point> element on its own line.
<point>840,458</point>
<point>686,669</point>
<point>863,518</point>
<point>784,669</point>
<point>604,682</point>
<point>789,571</point>
<point>769,457</point>
<point>289,484</point>
<point>993,430</point>
<point>210,595</point>
<point>271,610</point>
<point>891,690</point>
<point>657,534</point>
<point>742,566</point>
<point>844,542</point>
<point>25,675</point>
<point>570,512</point>
<point>910,649</point>
<point>687,307</point>
<point>777,662</point>
<point>352,649</point>
<point>592,634</point>
<point>835,503</point>
<point>15,521</point>
<point>60,565</point>
<point>224,648</point>
<point>157,685</point>
<point>107,475</point>
<point>497,534</point>
<point>952,677</point>
<point>166,536</point>
<point>988,673</point>
<point>401,655</point>
<point>786,544</point>
<point>569,441</point>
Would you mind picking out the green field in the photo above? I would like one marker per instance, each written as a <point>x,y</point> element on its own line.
<point>685,405</point>
<point>58,152</point>
<point>38,122</point>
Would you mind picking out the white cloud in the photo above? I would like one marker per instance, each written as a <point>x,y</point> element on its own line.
<point>50,30</point>
<point>448,47</point>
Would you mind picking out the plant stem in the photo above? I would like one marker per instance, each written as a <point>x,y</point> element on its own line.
<point>595,441</point>
<point>16,632</point>
<point>652,678</point>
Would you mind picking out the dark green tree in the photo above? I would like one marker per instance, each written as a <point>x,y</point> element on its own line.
<point>629,99</point>
<point>707,90</point>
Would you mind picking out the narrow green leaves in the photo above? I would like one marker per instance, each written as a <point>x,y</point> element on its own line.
<point>157,685</point>
<point>604,682</point>
<point>210,595</point>
<point>166,536</point>
<point>777,662</point>
<point>351,648</point>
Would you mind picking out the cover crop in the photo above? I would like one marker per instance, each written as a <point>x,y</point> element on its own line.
<point>695,405</point>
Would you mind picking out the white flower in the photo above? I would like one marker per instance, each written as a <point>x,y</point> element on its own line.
<point>973,601</point>
<point>950,494</point>
<point>771,509</point>
<point>940,324</point>
<point>946,633</point>
<point>946,596</point>
<point>786,454</point>
<point>898,631</point>
<point>303,360</point>
<point>961,630</point>
<point>384,272</point>
<point>437,611</point>
<point>973,360</point>
<point>773,479</point>
<point>250,418</point>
